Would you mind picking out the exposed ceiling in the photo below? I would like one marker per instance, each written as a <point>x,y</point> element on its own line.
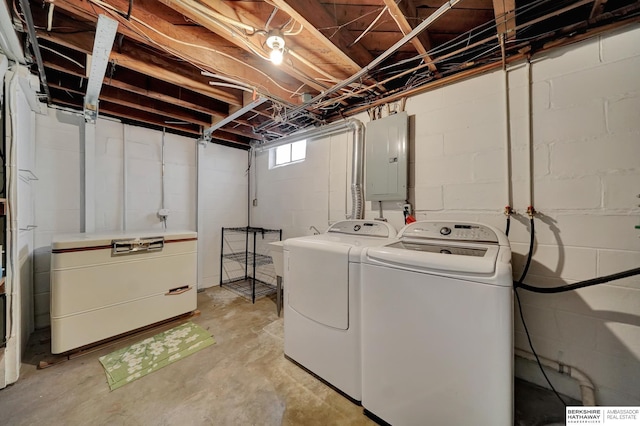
<point>187,65</point>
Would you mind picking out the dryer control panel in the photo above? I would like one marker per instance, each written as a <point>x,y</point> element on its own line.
<point>450,231</point>
<point>363,227</point>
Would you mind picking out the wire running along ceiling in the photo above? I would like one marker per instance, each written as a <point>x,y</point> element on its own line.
<point>185,65</point>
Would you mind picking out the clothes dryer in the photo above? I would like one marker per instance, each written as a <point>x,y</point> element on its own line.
<point>322,301</point>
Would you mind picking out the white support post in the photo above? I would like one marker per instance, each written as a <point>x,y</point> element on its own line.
<point>200,146</point>
<point>89,177</point>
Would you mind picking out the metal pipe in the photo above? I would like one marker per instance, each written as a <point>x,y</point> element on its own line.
<point>507,130</point>
<point>162,159</point>
<point>357,163</point>
<point>9,42</point>
<point>530,131</point>
<point>24,4</point>
<point>208,132</point>
<point>164,218</point>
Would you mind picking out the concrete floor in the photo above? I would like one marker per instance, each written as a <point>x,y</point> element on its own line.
<point>243,379</point>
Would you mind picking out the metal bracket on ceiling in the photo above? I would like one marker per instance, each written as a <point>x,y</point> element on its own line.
<point>239,113</point>
<point>204,140</point>
<point>105,35</point>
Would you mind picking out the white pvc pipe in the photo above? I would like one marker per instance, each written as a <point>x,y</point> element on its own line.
<point>587,389</point>
<point>124,176</point>
<point>164,218</point>
<point>529,131</point>
<point>200,224</point>
<point>89,141</point>
<point>507,134</point>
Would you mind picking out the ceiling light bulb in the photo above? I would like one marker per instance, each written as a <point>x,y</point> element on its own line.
<point>275,41</point>
<point>276,56</point>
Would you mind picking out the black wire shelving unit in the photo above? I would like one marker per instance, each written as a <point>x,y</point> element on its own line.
<point>245,265</point>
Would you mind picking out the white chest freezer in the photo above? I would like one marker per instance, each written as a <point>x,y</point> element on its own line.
<point>103,285</point>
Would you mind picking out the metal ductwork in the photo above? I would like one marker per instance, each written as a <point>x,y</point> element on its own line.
<point>357,163</point>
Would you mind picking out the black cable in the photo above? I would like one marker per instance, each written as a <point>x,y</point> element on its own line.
<point>581,284</point>
<point>526,329</point>
<point>128,17</point>
<point>530,255</point>
<point>569,287</point>
<point>506,231</point>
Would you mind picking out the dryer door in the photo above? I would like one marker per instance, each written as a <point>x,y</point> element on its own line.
<point>317,278</point>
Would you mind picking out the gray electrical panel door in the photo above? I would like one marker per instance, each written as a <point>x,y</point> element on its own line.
<point>386,152</point>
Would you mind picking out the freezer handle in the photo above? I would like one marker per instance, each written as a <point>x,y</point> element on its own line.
<point>137,245</point>
<point>178,290</point>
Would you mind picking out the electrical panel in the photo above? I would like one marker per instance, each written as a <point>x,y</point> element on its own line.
<point>386,158</point>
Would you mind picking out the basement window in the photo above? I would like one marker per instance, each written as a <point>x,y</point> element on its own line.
<point>290,153</point>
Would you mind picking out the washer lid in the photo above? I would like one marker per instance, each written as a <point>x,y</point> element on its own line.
<point>430,255</point>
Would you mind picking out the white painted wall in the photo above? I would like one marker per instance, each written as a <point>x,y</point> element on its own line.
<point>315,192</point>
<point>586,169</point>
<point>59,192</point>
<point>224,175</point>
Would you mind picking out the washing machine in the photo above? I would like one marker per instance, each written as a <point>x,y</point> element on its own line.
<point>322,301</point>
<point>437,326</point>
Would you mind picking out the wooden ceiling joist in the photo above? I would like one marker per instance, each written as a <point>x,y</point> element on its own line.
<point>400,11</point>
<point>155,73</point>
<point>505,15</point>
<point>148,88</point>
<point>342,60</point>
<point>106,108</point>
<point>185,42</point>
<point>301,72</point>
<point>313,15</point>
<point>598,8</point>
<point>149,64</point>
<point>133,101</point>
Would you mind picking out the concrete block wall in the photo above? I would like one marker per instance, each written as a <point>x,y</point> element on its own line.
<point>311,193</point>
<point>58,196</point>
<point>224,175</point>
<point>585,156</point>
<point>585,162</point>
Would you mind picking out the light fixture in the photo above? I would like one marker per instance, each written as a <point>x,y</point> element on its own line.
<point>275,41</point>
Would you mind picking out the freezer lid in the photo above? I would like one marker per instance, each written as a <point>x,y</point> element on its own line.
<point>105,240</point>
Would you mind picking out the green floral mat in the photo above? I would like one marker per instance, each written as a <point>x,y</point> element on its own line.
<point>128,364</point>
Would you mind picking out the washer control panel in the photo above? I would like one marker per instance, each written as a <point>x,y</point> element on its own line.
<point>363,227</point>
<point>455,231</point>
